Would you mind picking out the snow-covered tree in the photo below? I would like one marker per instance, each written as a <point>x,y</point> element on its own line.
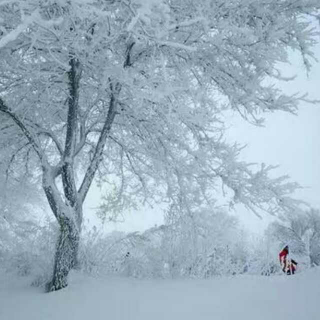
<point>20,199</point>
<point>262,255</point>
<point>301,232</point>
<point>209,244</point>
<point>206,244</point>
<point>132,93</point>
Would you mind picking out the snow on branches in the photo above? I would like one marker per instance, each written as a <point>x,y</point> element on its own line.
<point>134,92</point>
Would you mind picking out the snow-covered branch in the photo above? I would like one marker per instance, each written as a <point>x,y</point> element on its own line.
<point>32,138</point>
<point>97,157</point>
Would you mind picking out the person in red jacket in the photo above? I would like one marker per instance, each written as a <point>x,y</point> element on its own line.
<point>283,258</point>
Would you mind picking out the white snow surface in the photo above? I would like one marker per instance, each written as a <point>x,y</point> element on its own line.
<point>242,297</point>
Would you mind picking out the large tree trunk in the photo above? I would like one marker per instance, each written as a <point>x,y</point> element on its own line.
<point>70,216</point>
<point>68,213</point>
<point>66,256</point>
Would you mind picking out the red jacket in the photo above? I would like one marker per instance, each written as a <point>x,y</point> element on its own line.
<point>283,257</point>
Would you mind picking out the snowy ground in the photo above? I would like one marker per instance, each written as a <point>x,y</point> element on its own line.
<point>243,297</point>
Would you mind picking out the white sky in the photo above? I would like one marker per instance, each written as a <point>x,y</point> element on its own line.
<point>292,142</point>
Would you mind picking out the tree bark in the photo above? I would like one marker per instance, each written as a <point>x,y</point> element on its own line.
<point>68,214</point>
<point>69,219</point>
<point>66,256</point>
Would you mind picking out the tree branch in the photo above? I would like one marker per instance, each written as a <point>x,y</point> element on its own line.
<point>97,157</point>
<point>32,138</point>
<point>68,180</point>
<point>48,133</point>
<point>12,158</point>
<point>53,138</point>
<point>74,75</point>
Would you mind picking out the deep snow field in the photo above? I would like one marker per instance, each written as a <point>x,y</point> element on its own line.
<point>236,298</point>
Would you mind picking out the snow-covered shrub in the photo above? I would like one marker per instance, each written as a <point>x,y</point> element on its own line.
<point>262,256</point>
<point>209,244</point>
<point>134,254</point>
<point>29,249</point>
<point>100,252</point>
